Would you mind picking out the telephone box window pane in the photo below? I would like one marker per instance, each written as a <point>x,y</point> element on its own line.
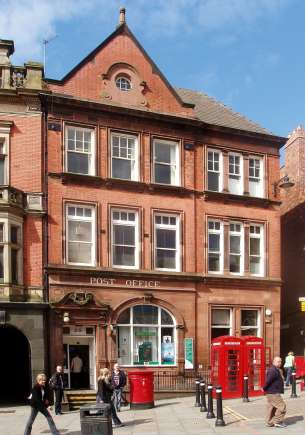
<point>145,314</point>
<point>233,365</point>
<point>145,345</point>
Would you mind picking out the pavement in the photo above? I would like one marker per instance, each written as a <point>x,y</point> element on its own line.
<point>177,416</point>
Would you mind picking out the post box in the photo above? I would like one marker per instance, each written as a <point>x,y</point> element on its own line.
<point>141,389</point>
<point>254,363</point>
<point>226,363</point>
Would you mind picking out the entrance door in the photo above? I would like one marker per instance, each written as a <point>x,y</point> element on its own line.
<point>15,367</point>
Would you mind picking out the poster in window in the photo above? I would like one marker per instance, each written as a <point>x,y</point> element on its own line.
<point>167,352</point>
<point>145,352</point>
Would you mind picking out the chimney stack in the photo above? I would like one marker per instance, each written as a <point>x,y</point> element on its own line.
<point>122,19</point>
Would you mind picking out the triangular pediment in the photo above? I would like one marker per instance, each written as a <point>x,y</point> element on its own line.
<point>95,78</point>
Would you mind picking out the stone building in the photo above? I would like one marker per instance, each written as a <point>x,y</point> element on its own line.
<point>22,299</point>
<point>293,245</point>
<point>163,223</point>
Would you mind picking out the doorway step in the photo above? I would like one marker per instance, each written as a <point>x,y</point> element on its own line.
<point>78,398</point>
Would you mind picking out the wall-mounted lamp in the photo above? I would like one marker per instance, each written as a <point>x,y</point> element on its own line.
<point>268,312</point>
<point>283,183</point>
<point>113,328</point>
<point>66,318</point>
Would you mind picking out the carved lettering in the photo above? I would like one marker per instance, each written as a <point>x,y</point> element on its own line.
<point>125,283</point>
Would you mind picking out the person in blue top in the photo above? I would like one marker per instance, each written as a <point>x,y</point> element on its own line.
<point>273,388</point>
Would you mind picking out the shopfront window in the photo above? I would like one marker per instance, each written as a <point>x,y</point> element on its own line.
<point>146,336</point>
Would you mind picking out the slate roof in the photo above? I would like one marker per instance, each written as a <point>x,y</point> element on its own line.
<point>211,111</point>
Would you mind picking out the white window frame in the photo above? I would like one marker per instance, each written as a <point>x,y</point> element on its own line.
<point>234,174</point>
<point>121,82</point>
<point>177,180</point>
<point>214,307</point>
<point>260,179</point>
<point>134,176</point>
<point>134,224</point>
<point>91,154</point>
<point>5,141</point>
<point>220,172</point>
<point>242,246</point>
<point>221,252</point>
<point>8,220</point>
<point>258,327</point>
<point>261,237</point>
<point>159,327</point>
<point>81,219</point>
<point>168,227</point>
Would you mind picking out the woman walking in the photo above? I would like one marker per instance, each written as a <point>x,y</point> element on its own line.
<point>105,393</point>
<point>39,402</point>
<point>289,366</point>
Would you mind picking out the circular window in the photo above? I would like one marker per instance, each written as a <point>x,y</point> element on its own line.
<point>123,84</point>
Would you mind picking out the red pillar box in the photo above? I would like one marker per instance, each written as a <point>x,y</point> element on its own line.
<point>141,389</point>
<point>226,364</point>
<point>254,363</point>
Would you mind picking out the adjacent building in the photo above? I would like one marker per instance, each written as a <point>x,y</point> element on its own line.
<point>162,217</point>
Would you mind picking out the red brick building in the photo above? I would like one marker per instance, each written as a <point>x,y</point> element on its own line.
<point>163,222</point>
<point>293,244</point>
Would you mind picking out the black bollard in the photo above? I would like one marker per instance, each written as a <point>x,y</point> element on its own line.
<point>219,418</point>
<point>210,413</point>
<point>293,385</point>
<point>197,384</point>
<point>246,389</point>
<point>203,405</point>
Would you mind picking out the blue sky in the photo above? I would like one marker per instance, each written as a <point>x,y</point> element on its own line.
<point>249,54</point>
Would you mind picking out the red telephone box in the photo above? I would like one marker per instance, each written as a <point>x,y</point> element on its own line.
<point>254,363</point>
<point>226,362</point>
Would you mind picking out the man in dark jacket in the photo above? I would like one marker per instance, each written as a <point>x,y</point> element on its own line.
<point>118,380</point>
<point>39,401</point>
<point>273,388</point>
<point>57,384</point>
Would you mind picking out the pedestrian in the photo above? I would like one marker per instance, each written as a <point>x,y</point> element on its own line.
<point>118,380</point>
<point>274,387</point>
<point>289,366</point>
<point>105,393</point>
<point>57,385</point>
<point>39,402</point>
<point>76,369</point>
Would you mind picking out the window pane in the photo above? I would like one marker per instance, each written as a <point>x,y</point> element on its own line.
<point>162,174</point>
<point>79,231</point>
<point>166,238</point>
<point>163,153</point>
<point>214,242</point>
<point>79,253</point>
<point>124,317</point>
<point>124,345</point>
<point>145,350</point>
<point>165,259</point>
<point>255,265</point>
<point>221,317</point>
<point>250,331</point>
<point>121,168</point>
<point>14,235</point>
<point>145,314</point>
<point>14,265</point>
<point>2,171</point>
<point>249,317</point>
<point>218,332</point>
<point>254,246</point>
<point>234,184</point>
<point>1,232</point>
<point>167,346</point>
<point>235,244</point>
<point>1,264</point>
<point>234,263</point>
<point>214,263</point>
<point>124,235</point>
<point>123,256</point>
<point>166,318</point>
<point>213,181</point>
<point>78,163</point>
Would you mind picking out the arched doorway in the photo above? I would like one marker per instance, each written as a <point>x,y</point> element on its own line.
<point>15,367</point>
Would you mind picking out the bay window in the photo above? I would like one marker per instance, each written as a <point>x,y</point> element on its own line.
<point>215,246</point>
<point>256,177</point>
<point>80,234</point>
<point>256,249</point>
<point>11,255</point>
<point>146,336</point>
<point>166,162</point>
<point>235,174</point>
<point>80,150</point>
<point>125,240</point>
<point>214,165</point>
<point>167,242</point>
<point>124,157</point>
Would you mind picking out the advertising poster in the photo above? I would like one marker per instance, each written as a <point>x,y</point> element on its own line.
<point>167,352</point>
<point>188,353</point>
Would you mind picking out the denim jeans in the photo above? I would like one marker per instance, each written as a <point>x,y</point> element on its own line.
<point>288,376</point>
<point>117,398</point>
<point>58,399</point>
<point>33,415</point>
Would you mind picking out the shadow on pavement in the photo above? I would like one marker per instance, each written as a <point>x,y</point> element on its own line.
<point>137,421</point>
<point>159,405</point>
<point>294,419</point>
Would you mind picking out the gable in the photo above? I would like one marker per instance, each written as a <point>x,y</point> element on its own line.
<point>121,56</point>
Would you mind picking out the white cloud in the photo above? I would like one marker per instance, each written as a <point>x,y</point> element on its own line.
<point>28,22</point>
